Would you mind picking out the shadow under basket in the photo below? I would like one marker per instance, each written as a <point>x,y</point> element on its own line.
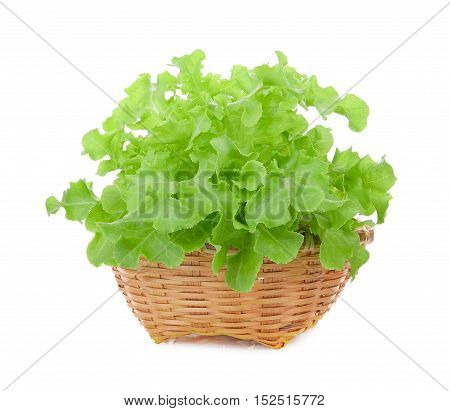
<point>285,300</point>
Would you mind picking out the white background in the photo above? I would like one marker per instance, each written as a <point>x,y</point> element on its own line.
<point>48,286</point>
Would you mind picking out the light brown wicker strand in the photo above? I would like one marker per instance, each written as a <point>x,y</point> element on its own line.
<point>285,300</point>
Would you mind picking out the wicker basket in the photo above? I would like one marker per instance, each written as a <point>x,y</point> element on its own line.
<point>285,300</point>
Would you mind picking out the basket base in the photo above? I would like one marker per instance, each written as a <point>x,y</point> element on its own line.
<point>276,344</point>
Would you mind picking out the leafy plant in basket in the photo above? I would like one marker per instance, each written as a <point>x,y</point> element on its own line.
<point>231,162</point>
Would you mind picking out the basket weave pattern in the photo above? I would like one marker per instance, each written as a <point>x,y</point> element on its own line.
<point>285,300</point>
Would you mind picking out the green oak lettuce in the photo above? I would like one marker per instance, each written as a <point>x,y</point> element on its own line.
<point>199,158</point>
